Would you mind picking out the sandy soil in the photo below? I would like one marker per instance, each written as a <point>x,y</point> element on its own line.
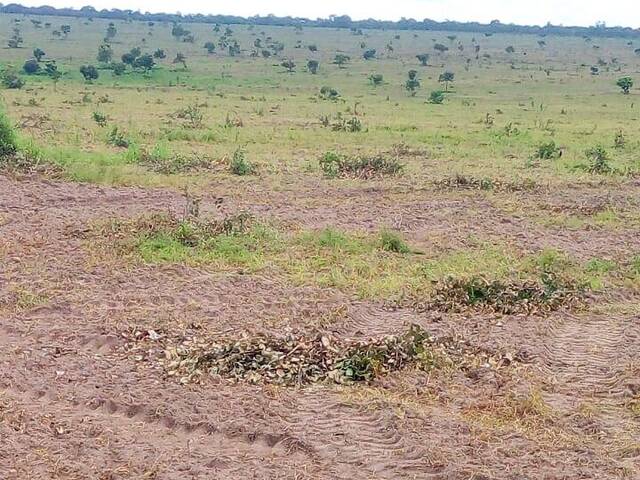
<point>82,396</point>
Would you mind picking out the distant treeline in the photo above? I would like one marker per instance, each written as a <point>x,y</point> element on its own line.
<point>343,21</point>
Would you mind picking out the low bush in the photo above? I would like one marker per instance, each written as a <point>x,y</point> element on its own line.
<point>336,165</point>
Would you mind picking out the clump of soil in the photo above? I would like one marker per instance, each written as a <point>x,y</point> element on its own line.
<point>506,297</point>
<point>463,182</point>
<point>296,359</point>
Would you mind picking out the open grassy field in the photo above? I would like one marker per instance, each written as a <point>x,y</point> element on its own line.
<point>219,268</point>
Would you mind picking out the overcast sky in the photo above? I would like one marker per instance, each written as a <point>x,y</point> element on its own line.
<point>567,12</point>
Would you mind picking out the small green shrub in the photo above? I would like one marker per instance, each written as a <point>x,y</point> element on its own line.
<point>393,242</point>
<point>100,119</point>
<point>117,138</point>
<point>547,151</point>
<point>239,164</point>
<point>8,144</point>
<point>329,93</point>
<point>598,160</point>
<point>436,97</point>
<point>11,80</point>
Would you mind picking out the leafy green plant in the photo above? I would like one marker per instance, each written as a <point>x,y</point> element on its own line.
<point>548,151</point>
<point>598,160</point>
<point>8,145</point>
<point>100,119</point>
<point>436,97</point>
<point>393,242</point>
<point>117,138</point>
<point>239,164</point>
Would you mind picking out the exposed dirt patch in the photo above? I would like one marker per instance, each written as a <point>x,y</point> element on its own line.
<point>77,401</point>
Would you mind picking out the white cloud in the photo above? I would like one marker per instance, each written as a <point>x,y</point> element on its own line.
<point>567,12</point>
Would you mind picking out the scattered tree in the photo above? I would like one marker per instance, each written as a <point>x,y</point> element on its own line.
<point>446,78</point>
<point>31,67</point>
<point>340,59</point>
<point>289,65</point>
<point>625,84</point>
<point>412,84</point>
<point>423,58</point>
<point>105,54</point>
<point>312,66</point>
<point>38,53</point>
<point>211,47</point>
<point>159,54</point>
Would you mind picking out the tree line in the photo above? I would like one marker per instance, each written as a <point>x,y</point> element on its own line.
<point>333,21</point>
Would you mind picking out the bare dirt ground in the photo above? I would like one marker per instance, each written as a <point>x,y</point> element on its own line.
<point>80,399</point>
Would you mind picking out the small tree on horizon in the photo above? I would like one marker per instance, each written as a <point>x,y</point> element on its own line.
<point>625,84</point>
<point>446,78</point>
<point>312,66</point>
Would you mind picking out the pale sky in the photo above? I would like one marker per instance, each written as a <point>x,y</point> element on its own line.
<point>568,12</point>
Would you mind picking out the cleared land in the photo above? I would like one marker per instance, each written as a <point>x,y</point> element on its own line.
<point>240,329</point>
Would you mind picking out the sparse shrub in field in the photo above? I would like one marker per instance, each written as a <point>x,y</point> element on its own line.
<point>334,165</point>
<point>12,80</point>
<point>341,59</point>
<point>369,54</point>
<point>547,151</point>
<point>31,67</point>
<point>210,47</point>
<point>376,79</point>
<point>342,125</point>
<point>89,72</point>
<point>329,93</point>
<point>393,242</point>
<point>289,65</point>
<point>542,296</point>
<point>312,66</point>
<point>192,115</point>
<point>38,53</point>
<point>100,119</point>
<point>312,48</point>
<point>118,68</point>
<point>619,141</point>
<point>239,164</point>
<point>159,54</point>
<point>8,144</point>
<point>598,160</point>
<point>436,97</point>
<point>625,84</point>
<point>117,138</point>
<point>510,49</point>
<point>423,58</point>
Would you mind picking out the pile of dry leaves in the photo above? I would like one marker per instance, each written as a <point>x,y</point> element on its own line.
<point>297,359</point>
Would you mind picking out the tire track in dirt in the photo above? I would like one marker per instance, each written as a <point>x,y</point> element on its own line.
<point>590,355</point>
<point>354,439</point>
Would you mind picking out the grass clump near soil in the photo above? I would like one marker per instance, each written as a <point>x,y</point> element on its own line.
<point>464,182</point>
<point>336,165</point>
<point>297,359</point>
<point>234,240</point>
<point>164,162</point>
